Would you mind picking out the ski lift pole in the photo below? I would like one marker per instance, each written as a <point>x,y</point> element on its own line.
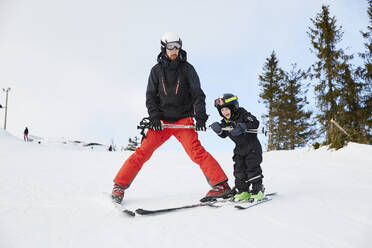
<point>6,106</point>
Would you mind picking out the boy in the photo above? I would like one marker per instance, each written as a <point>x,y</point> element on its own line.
<point>247,152</point>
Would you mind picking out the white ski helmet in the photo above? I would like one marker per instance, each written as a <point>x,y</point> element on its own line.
<point>169,37</point>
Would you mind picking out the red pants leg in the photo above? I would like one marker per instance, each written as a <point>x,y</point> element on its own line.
<point>190,142</point>
<point>134,163</point>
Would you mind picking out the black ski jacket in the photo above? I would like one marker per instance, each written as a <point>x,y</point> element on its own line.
<point>245,143</point>
<point>173,90</point>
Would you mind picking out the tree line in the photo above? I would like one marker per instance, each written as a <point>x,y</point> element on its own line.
<point>343,92</point>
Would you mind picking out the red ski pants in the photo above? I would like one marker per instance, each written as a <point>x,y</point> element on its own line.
<point>190,142</point>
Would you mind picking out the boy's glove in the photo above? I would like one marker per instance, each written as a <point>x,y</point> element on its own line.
<point>239,129</point>
<point>200,125</point>
<point>156,124</point>
<point>216,127</point>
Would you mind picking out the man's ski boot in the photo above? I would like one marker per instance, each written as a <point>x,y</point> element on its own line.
<point>220,190</point>
<point>117,193</point>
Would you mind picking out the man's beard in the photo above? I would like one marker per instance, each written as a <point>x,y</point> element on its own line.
<point>173,57</point>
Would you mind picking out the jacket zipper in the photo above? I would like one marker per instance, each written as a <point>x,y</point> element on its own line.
<point>162,82</point>
<point>178,84</point>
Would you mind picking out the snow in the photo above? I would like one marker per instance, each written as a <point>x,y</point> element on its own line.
<point>58,195</point>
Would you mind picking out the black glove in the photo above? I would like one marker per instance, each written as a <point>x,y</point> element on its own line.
<point>216,127</point>
<point>200,125</point>
<point>156,124</point>
<point>239,129</point>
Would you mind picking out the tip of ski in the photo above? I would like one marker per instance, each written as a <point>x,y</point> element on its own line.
<point>142,211</point>
<point>271,194</point>
<point>129,213</point>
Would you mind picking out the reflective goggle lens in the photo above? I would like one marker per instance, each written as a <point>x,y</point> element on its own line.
<point>221,101</point>
<point>218,102</point>
<point>173,45</point>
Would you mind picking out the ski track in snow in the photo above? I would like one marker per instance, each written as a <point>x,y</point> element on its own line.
<point>59,196</point>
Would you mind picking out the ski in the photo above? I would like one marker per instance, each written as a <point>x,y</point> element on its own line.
<point>129,212</point>
<point>231,200</point>
<point>255,203</point>
<point>124,210</point>
<point>213,204</point>
<point>120,207</point>
<point>142,211</point>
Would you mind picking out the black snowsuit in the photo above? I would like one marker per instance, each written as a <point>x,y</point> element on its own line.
<point>173,91</point>
<point>247,152</point>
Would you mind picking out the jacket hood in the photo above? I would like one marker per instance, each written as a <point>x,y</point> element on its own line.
<point>162,58</point>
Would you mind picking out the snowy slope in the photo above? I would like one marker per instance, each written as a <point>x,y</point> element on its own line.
<point>55,197</point>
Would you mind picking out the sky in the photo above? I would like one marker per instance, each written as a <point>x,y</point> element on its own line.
<point>79,68</point>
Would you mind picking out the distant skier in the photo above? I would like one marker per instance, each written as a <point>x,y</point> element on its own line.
<point>247,152</point>
<point>25,134</point>
<point>173,96</point>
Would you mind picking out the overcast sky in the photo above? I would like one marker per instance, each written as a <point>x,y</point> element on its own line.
<point>79,68</point>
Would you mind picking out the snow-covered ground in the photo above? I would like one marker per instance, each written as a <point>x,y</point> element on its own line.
<point>53,196</point>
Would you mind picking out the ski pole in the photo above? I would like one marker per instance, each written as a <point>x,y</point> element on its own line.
<point>177,126</point>
<point>229,129</point>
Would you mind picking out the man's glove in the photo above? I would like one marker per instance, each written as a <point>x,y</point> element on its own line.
<point>216,127</point>
<point>239,129</point>
<point>200,125</point>
<point>156,124</point>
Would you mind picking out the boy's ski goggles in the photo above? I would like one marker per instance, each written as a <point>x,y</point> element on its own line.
<point>173,45</point>
<point>222,101</point>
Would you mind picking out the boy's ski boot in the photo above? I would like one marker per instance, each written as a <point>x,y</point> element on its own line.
<point>243,196</point>
<point>258,197</point>
<point>257,192</point>
<point>220,190</point>
<point>117,193</point>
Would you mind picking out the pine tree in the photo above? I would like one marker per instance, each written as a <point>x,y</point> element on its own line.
<point>352,117</point>
<point>325,35</point>
<point>365,73</point>
<point>295,123</point>
<point>133,144</point>
<point>270,83</point>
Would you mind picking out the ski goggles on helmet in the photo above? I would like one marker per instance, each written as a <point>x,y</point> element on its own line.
<point>222,101</point>
<point>173,45</point>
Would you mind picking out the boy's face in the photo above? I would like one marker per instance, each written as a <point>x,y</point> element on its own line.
<point>226,112</point>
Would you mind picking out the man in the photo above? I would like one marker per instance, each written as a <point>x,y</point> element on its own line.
<point>173,96</point>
